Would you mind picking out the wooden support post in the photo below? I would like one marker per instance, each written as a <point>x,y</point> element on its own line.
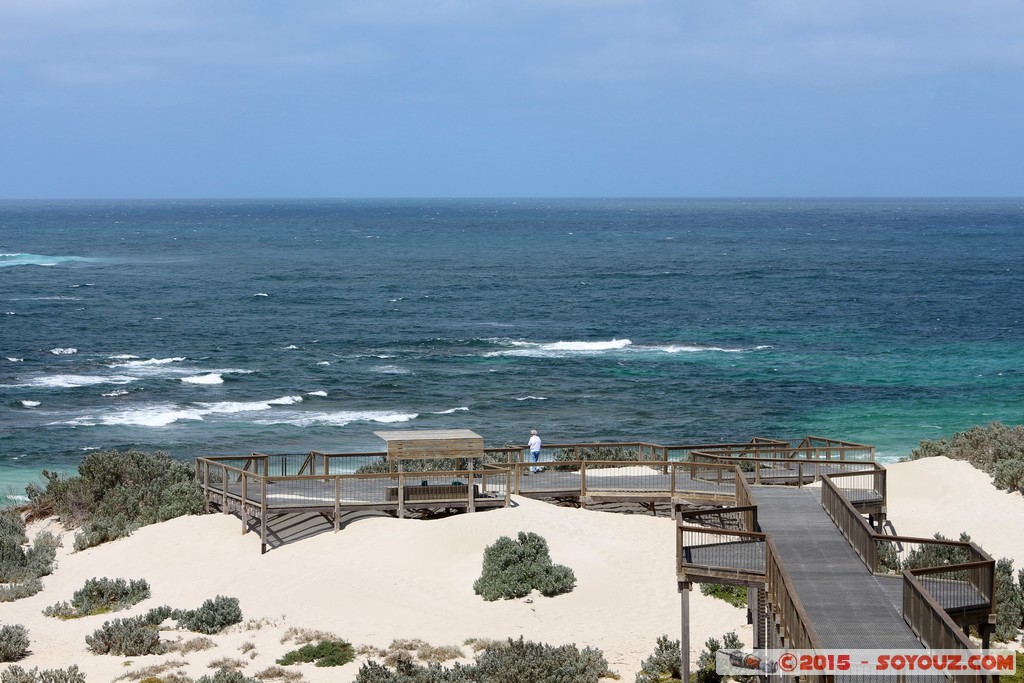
<point>263,516</point>
<point>224,491</point>
<point>337,503</point>
<point>206,486</point>
<point>401,493</point>
<point>471,486</point>
<point>245,527</point>
<point>684,630</point>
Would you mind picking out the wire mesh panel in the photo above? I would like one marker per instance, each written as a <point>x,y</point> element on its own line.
<point>365,488</point>
<point>607,477</point>
<point>720,551</point>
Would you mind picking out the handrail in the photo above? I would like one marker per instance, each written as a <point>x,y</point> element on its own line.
<point>798,630</point>
<point>850,522</point>
<point>928,620</point>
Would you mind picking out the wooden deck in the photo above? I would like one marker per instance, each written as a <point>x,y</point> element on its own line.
<point>788,521</point>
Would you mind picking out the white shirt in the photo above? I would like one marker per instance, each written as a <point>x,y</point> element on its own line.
<point>534,443</point>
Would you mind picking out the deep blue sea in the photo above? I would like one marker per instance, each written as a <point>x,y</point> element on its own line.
<point>227,327</point>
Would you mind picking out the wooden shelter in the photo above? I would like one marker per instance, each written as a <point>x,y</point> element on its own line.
<point>431,444</point>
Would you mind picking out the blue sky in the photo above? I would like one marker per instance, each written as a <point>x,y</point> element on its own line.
<point>470,98</point>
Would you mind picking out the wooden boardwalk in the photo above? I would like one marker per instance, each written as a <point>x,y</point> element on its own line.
<point>786,521</point>
<point>848,606</point>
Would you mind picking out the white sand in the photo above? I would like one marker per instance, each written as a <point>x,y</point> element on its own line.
<point>949,496</point>
<point>381,578</point>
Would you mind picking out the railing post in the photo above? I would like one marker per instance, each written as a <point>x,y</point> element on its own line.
<point>401,495</point>
<point>224,490</point>
<point>337,502</point>
<point>206,485</point>
<point>245,481</point>
<point>263,516</point>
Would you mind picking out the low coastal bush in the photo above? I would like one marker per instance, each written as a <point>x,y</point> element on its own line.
<point>21,589</point>
<point>16,674</point>
<point>20,562</point>
<point>226,675</point>
<point>514,568</point>
<point>137,636</point>
<point>99,596</point>
<point>615,453</point>
<point>115,492</point>
<point>324,653</point>
<point>514,661</point>
<point>734,595</point>
<point>995,449</point>
<point>213,616</point>
<point>13,642</point>
<point>132,637</point>
<point>706,661</point>
<point>664,665</point>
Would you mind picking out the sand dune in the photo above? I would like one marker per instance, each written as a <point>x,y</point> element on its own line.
<point>382,578</point>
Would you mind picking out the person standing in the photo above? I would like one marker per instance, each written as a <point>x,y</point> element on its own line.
<point>534,446</point>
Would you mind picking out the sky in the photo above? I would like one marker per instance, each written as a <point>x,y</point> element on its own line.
<point>511,98</point>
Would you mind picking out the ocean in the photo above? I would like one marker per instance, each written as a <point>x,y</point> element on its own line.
<point>229,327</point>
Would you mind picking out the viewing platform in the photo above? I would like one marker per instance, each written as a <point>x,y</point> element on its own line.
<point>799,524</point>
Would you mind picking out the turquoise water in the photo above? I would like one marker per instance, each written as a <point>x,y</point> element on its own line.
<point>222,327</point>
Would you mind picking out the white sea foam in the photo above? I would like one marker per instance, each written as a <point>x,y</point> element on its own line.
<point>290,347</point>
<point>16,360</point>
<point>452,410</point>
<point>532,398</point>
<point>115,392</point>
<point>229,407</point>
<point>150,416</point>
<point>557,349</point>
<point>285,401</point>
<point>587,346</point>
<point>131,362</point>
<point>686,348</point>
<point>122,356</point>
<point>72,381</point>
<point>317,393</point>
<point>335,419</point>
<point>323,362</point>
<point>261,294</point>
<point>29,404</point>
<point>211,378</point>
<point>63,351</point>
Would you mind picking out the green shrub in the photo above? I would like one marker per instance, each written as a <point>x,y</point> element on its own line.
<point>225,675</point>
<point>13,642</point>
<point>115,492</point>
<point>513,662</point>
<point>20,564</point>
<point>992,449</point>
<point>934,555</point>
<point>706,664</point>
<point>213,616</point>
<point>324,653</point>
<point>664,665</point>
<point>514,568</point>
<point>12,526</point>
<point>734,595</point>
<point>22,589</point>
<point>1009,602</point>
<point>599,453</point>
<point>131,637</point>
<point>16,674</point>
<point>99,596</point>
<point>526,662</point>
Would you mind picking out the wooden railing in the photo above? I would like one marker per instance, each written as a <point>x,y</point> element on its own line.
<point>796,627</point>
